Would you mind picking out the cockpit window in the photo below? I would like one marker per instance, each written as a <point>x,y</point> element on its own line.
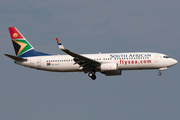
<point>166,56</point>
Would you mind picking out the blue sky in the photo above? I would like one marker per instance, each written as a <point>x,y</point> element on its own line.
<point>90,27</point>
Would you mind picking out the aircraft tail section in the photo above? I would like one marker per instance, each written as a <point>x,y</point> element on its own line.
<point>21,46</point>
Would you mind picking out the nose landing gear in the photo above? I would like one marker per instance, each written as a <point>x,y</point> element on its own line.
<point>92,75</point>
<point>159,73</point>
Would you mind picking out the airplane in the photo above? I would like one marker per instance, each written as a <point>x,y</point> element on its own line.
<point>109,64</point>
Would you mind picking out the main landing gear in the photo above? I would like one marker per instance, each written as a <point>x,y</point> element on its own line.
<point>159,73</point>
<point>92,75</point>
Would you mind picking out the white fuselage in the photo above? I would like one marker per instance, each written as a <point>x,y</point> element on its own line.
<point>109,64</point>
<point>125,61</point>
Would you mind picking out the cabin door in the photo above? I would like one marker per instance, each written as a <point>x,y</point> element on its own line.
<point>39,62</point>
<point>156,58</point>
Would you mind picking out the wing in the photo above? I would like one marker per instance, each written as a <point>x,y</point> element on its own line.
<point>84,62</point>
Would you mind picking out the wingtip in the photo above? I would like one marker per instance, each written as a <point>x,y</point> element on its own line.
<point>58,42</point>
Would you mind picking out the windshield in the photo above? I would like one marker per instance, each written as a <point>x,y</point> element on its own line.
<point>166,56</point>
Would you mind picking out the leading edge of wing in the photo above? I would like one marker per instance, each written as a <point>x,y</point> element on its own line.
<point>75,55</point>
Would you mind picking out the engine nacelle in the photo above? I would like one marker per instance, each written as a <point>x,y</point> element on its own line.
<point>109,67</point>
<point>112,73</point>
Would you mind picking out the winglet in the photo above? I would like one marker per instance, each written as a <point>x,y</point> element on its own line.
<point>60,44</point>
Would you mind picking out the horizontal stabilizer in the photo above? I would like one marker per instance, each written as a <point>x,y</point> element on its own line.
<point>15,58</point>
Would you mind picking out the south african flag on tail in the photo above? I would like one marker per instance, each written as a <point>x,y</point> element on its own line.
<point>21,46</point>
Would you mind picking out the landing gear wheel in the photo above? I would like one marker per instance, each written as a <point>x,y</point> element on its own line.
<point>92,75</point>
<point>159,73</point>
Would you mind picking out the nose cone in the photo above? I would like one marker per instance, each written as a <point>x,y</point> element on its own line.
<point>173,61</point>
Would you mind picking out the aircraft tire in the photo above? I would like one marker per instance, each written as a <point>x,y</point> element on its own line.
<point>159,73</point>
<point>90,74</point>
<point>93,77</point>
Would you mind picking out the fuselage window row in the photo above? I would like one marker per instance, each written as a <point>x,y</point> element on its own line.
<point>98,59</point>
<point>59,60</point>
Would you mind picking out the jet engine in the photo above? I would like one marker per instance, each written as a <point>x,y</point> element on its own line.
<point>109,67</point>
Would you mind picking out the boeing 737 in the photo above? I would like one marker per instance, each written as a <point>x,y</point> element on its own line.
<point>109,64</point>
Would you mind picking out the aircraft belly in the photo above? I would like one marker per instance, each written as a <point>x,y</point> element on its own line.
<point>66,68</point>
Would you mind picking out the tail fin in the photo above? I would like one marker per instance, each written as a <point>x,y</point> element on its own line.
<point>21,46</point>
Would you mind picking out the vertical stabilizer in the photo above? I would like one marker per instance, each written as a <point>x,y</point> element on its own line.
<point>21,46</point>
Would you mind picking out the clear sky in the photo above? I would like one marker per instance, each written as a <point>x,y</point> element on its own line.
<point>90,26</point>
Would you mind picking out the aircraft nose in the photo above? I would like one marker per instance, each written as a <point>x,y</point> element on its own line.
<point>173,61</point>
